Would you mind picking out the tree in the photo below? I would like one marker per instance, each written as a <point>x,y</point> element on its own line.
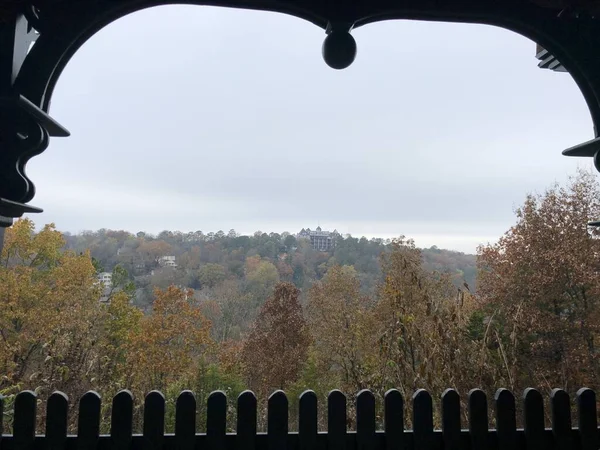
<point>151,251</point>
<point>171,342</point>
<point>290,242</point>
<point>163,277</point>
<point>286,273</point>
<point>119,235</point>
<point>234,311</point>
<point>275,350</point>
<point>541,289</point>
<point>121,326</point>
<point>421,329</point>
<point>121,282</point>
<point>49,312</point>
<point>190,260</point>
<point>98,267</point>
<point>211,275</point>
<point>261,278</point>
<point>342,327</point>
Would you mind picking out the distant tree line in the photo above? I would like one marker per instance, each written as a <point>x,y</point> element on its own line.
<point>211,259</point>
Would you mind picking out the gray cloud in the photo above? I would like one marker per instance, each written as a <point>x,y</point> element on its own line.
<point>200,118</point>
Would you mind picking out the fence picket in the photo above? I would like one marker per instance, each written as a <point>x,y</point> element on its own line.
<point>88,421</point>
<point>185,421</point>
<point>24,420</point>
<point>533,419</point>
<point>336,420</point>
<point>246,421</point>
<point>478,419</point>
<point>560,406</point>
<point>154,420</point>
<point>277,421</point>
<point>121,420</point>
<point>422,420</point>
<point>587,420</point>
<point>506,419</point>
<point>57,409</point>
<point>216,420</point>
<point>307,421</point>
<point>393,420</point>
<point>365,420</point>
<point>451,419</point>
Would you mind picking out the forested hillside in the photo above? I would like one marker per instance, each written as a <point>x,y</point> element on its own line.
<point>208,260</point>
<point>267,312</point>
<point>227,267</point>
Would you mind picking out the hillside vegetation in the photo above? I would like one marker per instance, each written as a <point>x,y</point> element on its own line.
<point>207,261</point>
<point>266,312</point>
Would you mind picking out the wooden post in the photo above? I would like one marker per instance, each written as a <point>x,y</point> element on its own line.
<point>277,421</point>
<point>451,419</point>
<point>365,420</point>
<point>423,421</point>
<point>307,421</point>
<point>246,421</point>
<point>185,421</point>
<point>336,420</point>
<point>88,421</point>
<point>394,420</point>
<point>121,421</point>
<point>24,420</point>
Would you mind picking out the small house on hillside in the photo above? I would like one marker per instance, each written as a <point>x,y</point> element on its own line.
<point>167,261</point>
<point>105,278</point>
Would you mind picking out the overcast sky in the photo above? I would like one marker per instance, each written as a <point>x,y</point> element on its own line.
<point>194,118</point>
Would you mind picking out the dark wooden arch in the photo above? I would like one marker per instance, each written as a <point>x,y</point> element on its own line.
<point>571,33</point>
<point>567,38</point>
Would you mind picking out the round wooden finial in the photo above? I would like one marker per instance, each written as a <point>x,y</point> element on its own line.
<point>339,49</point>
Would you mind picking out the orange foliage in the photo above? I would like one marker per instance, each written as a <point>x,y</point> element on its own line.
<point>541,287</point>
<point>172,340</point>
<point>48,312</point>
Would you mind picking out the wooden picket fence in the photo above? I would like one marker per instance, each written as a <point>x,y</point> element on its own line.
<point>505,436</point>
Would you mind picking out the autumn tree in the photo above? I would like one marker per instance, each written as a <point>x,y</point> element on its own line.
<point>151,251</point>
<point>261,277</point>
<point>232,313</point>
<point>49,312</point>
<point>121,284</point>
<point>343,328</point>
<point>286,272</point>
<point>211,275</point>
<point>541,288</point>
<point>171,342</point>
<point>163,277</point>
<point>120,332</point>
<point>190,260</point>
<point>421,328</point>
<point>275,350</point>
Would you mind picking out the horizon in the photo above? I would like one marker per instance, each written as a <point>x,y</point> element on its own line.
<point>154,234</point>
